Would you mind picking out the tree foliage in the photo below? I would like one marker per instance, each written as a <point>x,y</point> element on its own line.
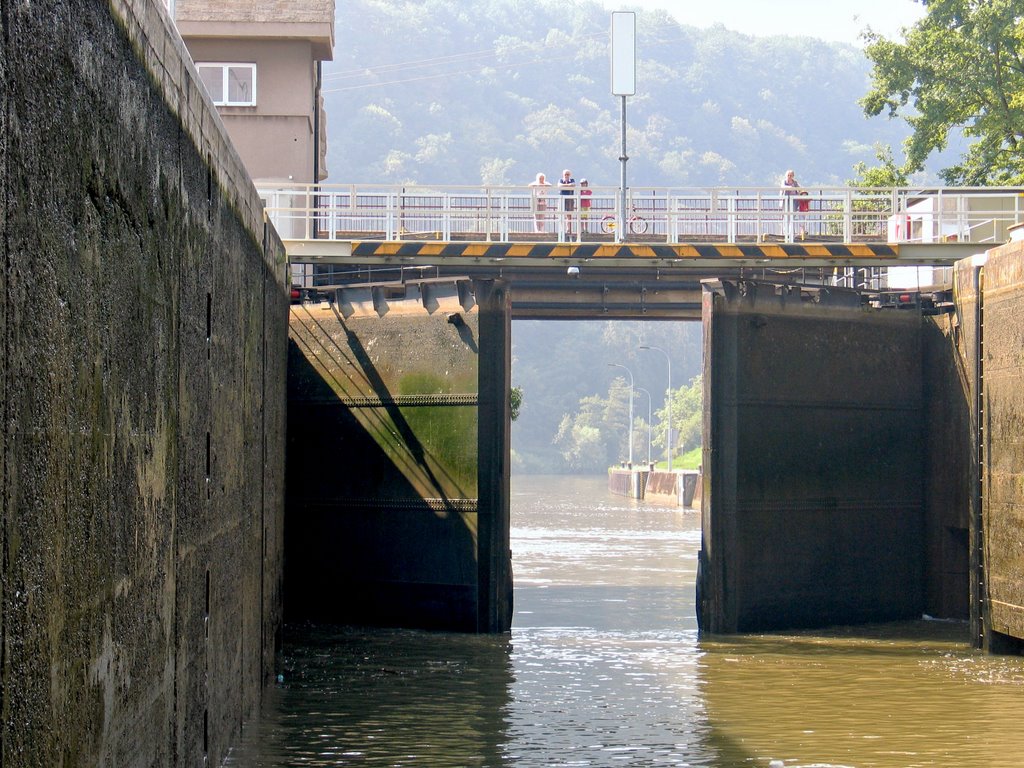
<point>687,412</point>
<point>597,435</point>
<point>588,440</point>
<point>960,68</point>
<point>885,174</point>
<point>515,402</point>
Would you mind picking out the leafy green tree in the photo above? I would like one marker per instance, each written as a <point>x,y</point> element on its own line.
<point>587,439</point>
<point>515,401</point>
<point>597,435</point>
<point>960,68</point>
<point>687,416</point>
<point>886,174</point>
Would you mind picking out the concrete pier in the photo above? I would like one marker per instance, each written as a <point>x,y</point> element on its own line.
<point>676,489</point>
<point>813,497</point>
<point>398,465</point>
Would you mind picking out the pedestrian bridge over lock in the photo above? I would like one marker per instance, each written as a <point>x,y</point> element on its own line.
<point>348,240</point>
<point>401,359</point>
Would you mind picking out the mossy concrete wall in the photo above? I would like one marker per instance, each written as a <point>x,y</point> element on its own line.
<point>397,510</point>
<point>144,313</point>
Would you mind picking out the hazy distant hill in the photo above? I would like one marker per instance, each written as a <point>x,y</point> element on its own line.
<point>442,91</point>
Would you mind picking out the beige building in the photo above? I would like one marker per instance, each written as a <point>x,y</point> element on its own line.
<point>260,61</point>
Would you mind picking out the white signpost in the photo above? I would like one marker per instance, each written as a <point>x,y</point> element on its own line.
<point>623,85</point>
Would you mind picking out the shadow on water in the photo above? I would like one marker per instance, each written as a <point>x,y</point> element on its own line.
<point>379,697</point>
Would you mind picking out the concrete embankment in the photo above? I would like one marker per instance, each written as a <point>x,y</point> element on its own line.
<point>677,488</point>
<point>145,317</point>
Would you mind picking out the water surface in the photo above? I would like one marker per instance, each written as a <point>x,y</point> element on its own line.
<point>604,667</point>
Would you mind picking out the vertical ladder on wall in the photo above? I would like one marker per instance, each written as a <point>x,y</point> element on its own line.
<point>980,589</point>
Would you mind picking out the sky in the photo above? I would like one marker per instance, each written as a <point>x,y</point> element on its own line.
<point>833,20</point>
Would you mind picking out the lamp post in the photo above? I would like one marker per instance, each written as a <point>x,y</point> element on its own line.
<point>641,389</point>
<point>616,365</point>
<point>668,403</point>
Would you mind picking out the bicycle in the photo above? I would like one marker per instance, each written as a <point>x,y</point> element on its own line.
<point>636,223</point>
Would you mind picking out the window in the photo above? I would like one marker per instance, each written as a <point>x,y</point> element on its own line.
<point>230,85</point>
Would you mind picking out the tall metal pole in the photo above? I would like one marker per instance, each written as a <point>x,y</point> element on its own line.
<point>668,404</point>
<point>620,230</point>
<point>641,389</point>
<point>623,47</point>
<point>616,365</point>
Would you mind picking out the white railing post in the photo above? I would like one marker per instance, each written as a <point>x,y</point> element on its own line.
<point>446,217</point>
<point>503,221</point>
<point>963,216</point>
<point>848,217</point>
<point>896,213</point>
<point>577,213</point>
<point>712,214</point>
<point>730,221</point>
<point>332,215</point>
<point>672,219</point>
<point>352,205</point>
<point>487,218</point>
<point>312,211</point>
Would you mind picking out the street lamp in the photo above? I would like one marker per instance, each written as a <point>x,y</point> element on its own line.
<point>668,403</point>
<point>641,389</point>
<point>616,365</point>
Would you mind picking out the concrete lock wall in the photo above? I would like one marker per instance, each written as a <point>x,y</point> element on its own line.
<point>144,315</point>
<point>397,509</point>
<point>947,468</point>
<point>814,448</point>
<point>990,323</point>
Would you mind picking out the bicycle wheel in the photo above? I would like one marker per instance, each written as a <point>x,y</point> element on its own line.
<point>608,224</point>
<point>638,225</point>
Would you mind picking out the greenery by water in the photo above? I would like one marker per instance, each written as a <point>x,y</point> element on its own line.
<point>574,376</point>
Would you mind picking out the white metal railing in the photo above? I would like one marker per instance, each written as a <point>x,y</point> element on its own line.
<point>671,215</point>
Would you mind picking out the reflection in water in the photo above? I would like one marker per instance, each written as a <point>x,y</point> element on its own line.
<point>383,698</point>
<point>604,667</point>
<point>909,694</point>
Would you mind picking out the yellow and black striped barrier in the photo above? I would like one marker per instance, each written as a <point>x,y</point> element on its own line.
<point>376,250</point>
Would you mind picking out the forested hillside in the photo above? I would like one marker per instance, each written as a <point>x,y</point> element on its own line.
<point>445,91</point>
<point>449,92</point>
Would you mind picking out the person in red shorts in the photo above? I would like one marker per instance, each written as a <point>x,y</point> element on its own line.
<point>585,194</point>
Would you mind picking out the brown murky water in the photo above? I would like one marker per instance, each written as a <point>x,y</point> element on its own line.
<point>604,667</point>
